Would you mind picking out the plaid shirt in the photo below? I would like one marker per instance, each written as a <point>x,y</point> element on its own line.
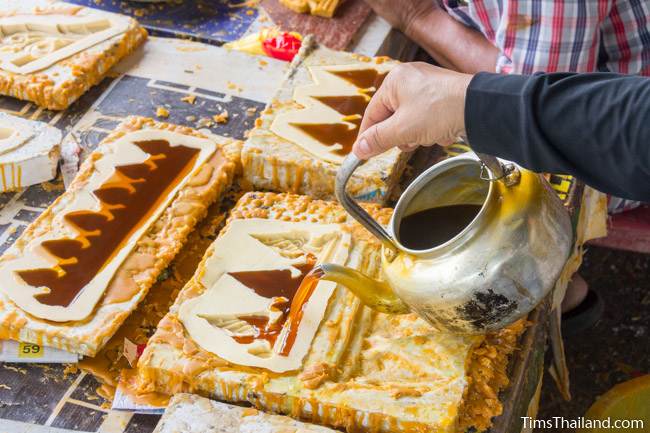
<point>562,35</point>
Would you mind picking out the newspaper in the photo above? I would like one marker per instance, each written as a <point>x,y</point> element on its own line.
<point>122,401</point>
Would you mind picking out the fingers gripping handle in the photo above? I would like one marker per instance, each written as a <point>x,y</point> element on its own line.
<point>351,163</point>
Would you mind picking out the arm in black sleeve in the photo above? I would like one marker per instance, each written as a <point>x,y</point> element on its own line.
<point>595,127</point>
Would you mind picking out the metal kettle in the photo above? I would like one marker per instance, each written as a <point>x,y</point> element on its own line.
<point>490,274</point>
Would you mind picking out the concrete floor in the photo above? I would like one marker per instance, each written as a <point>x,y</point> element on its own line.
<point>618,347</point>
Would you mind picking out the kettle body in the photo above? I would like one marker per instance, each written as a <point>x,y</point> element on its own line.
<point>488,273</point>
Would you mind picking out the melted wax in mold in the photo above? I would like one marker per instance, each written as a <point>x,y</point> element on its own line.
<point>290,297</point>
<point>353,106</point>
<point>127,199</point>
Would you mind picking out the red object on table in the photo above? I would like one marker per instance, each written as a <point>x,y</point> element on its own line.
<point>335,33</point>
<point>629,231</point>
<point>283,46</point>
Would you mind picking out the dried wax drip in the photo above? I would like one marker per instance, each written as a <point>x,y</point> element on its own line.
<point>127,199</point>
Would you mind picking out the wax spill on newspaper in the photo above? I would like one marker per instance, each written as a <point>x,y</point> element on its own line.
<point>122,401</point>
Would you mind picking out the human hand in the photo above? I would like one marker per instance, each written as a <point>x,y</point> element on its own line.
<point>402,14</point>
<point>417,105</point>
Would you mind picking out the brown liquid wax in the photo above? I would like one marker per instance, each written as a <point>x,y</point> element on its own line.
<point>127,199</point>
<point>346,105</point>
<point>362,78</point>
<point>431,227</point>
<point>297,310</point>
<point>330,134</point>
<point>290,296</point>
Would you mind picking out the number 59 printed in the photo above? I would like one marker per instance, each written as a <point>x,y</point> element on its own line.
<point>29,350</point>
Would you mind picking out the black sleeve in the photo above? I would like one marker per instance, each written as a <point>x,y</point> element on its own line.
<point>595,127</point>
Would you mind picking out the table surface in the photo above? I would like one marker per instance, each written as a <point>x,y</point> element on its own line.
<point>216,22</point>
<point>40,394</point>
<point>39,398</point>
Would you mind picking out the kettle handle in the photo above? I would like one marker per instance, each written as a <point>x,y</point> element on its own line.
<point>351,163</point>
<point>506,173</point>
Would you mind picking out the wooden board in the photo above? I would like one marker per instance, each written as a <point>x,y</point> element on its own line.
<point>335,33</point>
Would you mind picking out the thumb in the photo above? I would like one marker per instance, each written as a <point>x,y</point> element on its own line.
<point>378,138</point>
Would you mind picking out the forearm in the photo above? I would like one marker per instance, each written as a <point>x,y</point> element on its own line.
<point>452,44</point>
<point>592,126</point>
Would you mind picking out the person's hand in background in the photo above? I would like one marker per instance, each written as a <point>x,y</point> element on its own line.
<point>452,44</point>
<point>402,14</point>
<point>417,105</point>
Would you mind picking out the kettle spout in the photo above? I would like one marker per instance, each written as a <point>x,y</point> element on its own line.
<point>375,294</point>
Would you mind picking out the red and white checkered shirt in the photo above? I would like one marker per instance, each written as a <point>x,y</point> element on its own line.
<point>562,35</point>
